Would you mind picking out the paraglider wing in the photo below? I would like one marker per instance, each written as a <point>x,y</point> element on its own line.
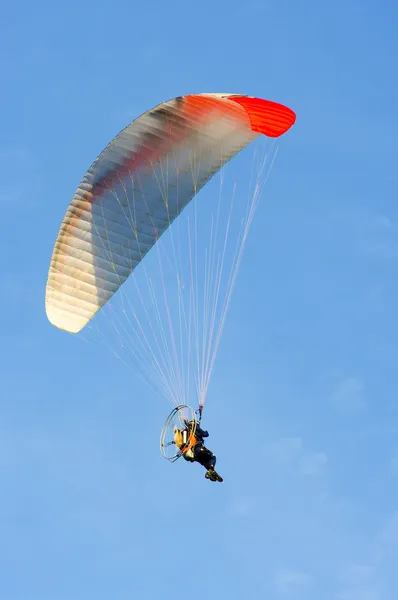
<point>136,188</point>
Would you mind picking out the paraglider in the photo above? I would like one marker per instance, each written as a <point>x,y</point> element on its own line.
<point>182,435</point>
<point>129,197</point>
<point>190,441</point>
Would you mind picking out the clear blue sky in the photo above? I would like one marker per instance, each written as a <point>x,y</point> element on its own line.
<point>303,405</point>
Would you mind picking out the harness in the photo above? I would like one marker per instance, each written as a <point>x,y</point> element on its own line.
<point>185,440</point>
<point>189,441</point>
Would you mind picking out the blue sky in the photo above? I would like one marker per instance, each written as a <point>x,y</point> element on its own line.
<point>302,408</point>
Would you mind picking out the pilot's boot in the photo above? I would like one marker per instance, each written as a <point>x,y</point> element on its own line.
<point>213,475</point>
<point>210,474</point>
